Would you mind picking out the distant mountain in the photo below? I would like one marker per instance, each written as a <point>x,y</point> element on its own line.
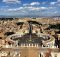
<point>20,16</point>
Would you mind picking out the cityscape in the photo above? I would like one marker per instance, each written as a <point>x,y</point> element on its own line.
<point>29,28</point>
<point>29,37</point>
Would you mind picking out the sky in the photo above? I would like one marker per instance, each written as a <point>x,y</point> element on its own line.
<point>30,8</point>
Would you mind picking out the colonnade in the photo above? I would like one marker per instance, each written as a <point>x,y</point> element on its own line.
<point>29,45</point>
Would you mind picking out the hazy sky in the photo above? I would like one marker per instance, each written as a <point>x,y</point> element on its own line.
<point>30,7</point>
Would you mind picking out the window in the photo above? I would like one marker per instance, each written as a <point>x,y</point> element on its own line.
<point>55,55</point>
<point>40,55</point>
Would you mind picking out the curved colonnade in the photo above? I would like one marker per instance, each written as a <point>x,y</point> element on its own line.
<point>47,43</point>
